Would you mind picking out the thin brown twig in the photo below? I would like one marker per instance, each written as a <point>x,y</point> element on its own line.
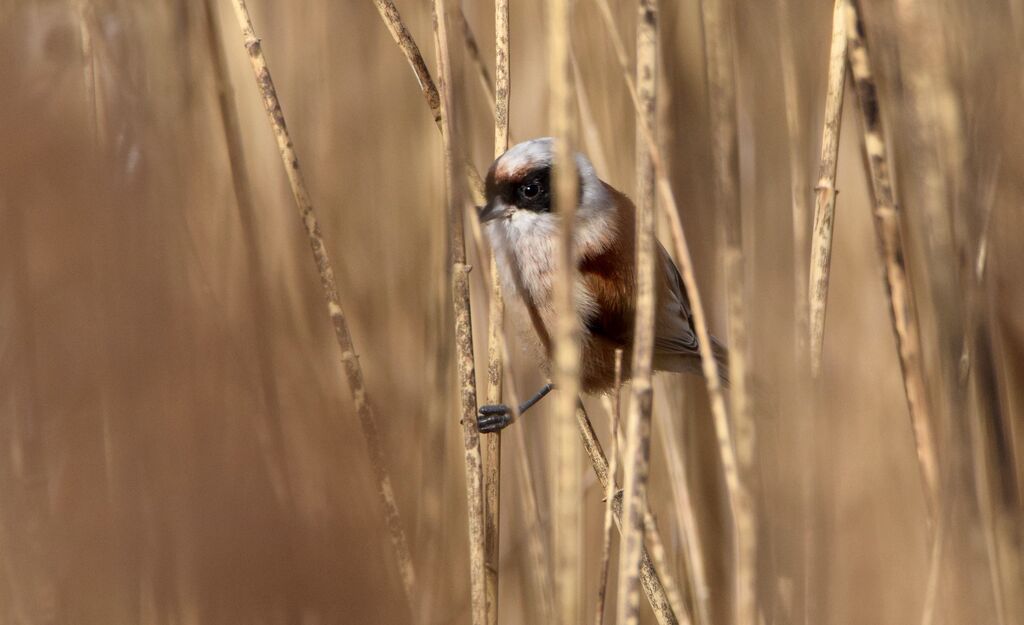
<point>463,328</point>
<point>609,493</point>
<point>350,361</point>
<point>636,459</point>
<point>825,190</point>
<point>887,227</point>
<point>495,338</point>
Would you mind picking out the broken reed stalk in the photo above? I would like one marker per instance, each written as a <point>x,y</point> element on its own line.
<point>609,492</point>
<point>496,318</point>
<point>652,585</point>
<point>887,227</point>
<point>568,486</point>
<point>463,328</point>
<point>636,459</point>
<point>349,359</point>
<point>798,185</point>
<point>719,54</point>
<point>268,425</point>
<point>825,190</point>
<point>735,488</point>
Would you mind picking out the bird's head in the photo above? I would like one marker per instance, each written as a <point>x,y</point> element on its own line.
<point>518,186</point>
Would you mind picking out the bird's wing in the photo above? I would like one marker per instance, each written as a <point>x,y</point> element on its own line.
<point>673,326</point>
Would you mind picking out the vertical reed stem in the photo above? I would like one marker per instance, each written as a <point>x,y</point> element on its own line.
<point>825,190</point>
<point>719,54</point>
<point>890,240</point>
<point>349,359</point>
<point>463,327</point>
<point>492,455</point>
<point>609,492</point>
<point>568,490</point>
<point>638,430</point>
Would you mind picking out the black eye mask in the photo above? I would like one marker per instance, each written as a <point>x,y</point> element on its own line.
<point>533,193</point>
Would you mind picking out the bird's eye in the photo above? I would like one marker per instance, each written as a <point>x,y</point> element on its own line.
<point>530,191</point>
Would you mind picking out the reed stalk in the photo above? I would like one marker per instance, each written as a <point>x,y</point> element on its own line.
<point>719,32</point>
<point>825,190</point>
<point>496,318</point>
<point>609,492</point>
<point>568,483</point>
<point>463,328</point>
<point>890,240</point>
<point>349,359</point>
<point>636,459</point>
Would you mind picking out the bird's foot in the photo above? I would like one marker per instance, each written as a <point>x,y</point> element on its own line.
<point>493,418</point>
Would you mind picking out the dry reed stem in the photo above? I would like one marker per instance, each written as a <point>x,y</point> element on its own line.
<point>660,561</point>
<point>393,21</point>
<point>649,577</point>
<point>887,227</point>
<point>591,135</point>
<point>636,459</point>
<point>719,55</point>
<point>270,443</point>
<point>686,519</point>
<point>797,181</point>
<point>825,190</point>
<point>568,487</point>
<point>609,492</point>
<point>463,329</point>
<point>350,361</point>
<point>473,48</point>
<point>709,365</point>
<point>495,338</point>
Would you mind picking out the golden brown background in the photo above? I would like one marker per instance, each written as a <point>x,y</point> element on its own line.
<point>177,442</point>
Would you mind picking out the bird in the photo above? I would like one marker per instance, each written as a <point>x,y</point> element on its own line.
<point>522,230</point>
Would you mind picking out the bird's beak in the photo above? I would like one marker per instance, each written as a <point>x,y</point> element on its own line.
<point>493,210</point>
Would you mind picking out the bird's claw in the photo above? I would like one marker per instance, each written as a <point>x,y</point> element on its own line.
<point>493,418</point>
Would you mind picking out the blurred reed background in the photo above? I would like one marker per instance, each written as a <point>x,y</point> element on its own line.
<point>179,443</point>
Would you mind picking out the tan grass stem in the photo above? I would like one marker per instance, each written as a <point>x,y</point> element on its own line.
<point>496,318</point>
<point>887,227</point>
<point>568,483</point>
<point>798,185</point>
<point>636,459</point>
<point>350,361</point>
<point>473,48</point>
<point>609,492</point>
<point>463,328</point>
<point>825,189</point>
<point>719,33</point>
